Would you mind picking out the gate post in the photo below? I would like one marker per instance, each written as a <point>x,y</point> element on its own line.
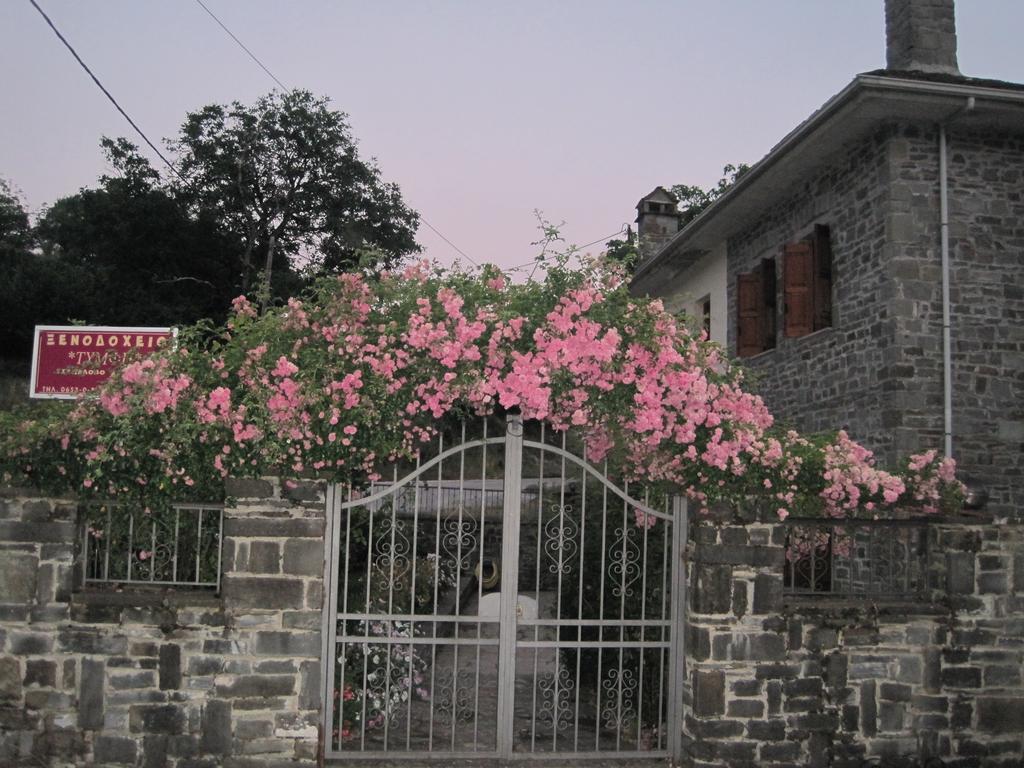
<point>677,610</point>
<point>509,583</point>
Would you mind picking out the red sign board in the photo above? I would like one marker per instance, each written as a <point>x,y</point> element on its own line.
<point>70,360</point>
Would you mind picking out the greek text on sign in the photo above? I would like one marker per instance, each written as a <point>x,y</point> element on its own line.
<point>69,360</point>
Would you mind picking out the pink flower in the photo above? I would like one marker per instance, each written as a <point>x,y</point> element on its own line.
<point>284,367</point>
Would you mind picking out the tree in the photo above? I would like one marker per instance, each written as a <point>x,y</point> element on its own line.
<point>693,200</point>
<point>284,177</point>
<point>15,232</point>
<point>150,261</point>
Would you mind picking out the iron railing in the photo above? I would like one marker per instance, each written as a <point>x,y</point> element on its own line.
<point>177,545</point>
<point>874,559</point>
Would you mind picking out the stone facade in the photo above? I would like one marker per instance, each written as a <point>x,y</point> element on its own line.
<point>168,678</point>
<point>878,370</point>
<point>784,682</point>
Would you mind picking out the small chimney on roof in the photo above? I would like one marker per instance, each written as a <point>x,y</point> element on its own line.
<point>920,36</point>
<point>657,221</point>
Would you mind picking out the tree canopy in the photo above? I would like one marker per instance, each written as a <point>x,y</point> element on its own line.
<point>273,189</point>
<point>285,178</point>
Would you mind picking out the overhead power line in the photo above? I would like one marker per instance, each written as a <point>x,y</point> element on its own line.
<point>242,45</point>
<point>273,77</point>
<point>103,88</point>
<point>437,232</point>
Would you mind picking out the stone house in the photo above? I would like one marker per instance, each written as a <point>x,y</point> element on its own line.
<point>868,269</point>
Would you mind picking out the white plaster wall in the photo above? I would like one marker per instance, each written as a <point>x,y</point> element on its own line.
<point>705,278</point>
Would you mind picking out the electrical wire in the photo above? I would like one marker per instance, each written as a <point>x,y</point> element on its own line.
<point>437,232</point>
<point>273,77</point>
<point>105,91</point>
<point>242,45</point>
<point>604,239</point>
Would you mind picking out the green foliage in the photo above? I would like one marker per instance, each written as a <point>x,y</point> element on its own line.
<point>693,200</point>
<point>285,178</point>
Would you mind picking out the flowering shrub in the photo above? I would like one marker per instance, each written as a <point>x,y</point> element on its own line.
<point>364,370</point>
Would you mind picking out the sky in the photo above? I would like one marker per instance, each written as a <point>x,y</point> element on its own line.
<point>483,112</point>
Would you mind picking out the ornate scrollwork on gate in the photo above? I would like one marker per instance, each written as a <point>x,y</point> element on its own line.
<point>618,698</point>
<point>556,697</point>
<point>453,696</point>
<point>392,548</point>
<point>459,539</point>
<point>623,562</point>
<point>561,538</point>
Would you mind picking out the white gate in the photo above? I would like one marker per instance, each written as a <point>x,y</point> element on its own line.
<point>503,599</point>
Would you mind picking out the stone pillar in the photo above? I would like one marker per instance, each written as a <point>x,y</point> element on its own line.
<point>920,36</point>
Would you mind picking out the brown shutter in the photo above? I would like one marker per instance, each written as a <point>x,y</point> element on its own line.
<point>798,282</point>
<point>822,278</point>
<point>750,334</point>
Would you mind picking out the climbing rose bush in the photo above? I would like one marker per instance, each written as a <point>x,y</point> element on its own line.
<point>365,369</point>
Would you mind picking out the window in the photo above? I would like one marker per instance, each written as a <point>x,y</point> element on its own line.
<point>806,291</point>
<point>755,292</point>
<point>807,284</point>
<point>705,315</point>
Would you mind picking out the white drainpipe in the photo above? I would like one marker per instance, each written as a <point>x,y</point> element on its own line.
<point>947,345</point>
<point>947,357</point>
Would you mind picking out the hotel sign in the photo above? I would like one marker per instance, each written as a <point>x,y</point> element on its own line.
<point>69,360</point>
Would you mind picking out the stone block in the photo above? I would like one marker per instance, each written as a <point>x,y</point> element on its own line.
<point>960,573</point>
<point>30,643</point>
<point>170,667</point>
<point>868,708</point>
<point>992,584</point>
<point>773,693</point>
<point>10,680</point>
<point>288,644</point>
<point>698,642</point>
<point>17,577</point>
<point>264,557</point>
<point>37,533</point>
<point>716,728</point>
<point>1001,714</point>
<point>961,677</point>
<point>787,753</point>
<point>890,716</point>
<point>114,749</point>
<point>168,719</point>
<point>255,685</point>
<point>248,488</point>
<point>154,751</point>
<point>765,646</point>
<point>253,729</point>
<point>804,686</point>
<point>726,554</point>
<point>767,593</point>
<point>746,688</point>
<point>301,619</point>
<point>711,589</point>
<point>963,712</point>
<point>262,592</point>
<point>708,693</point>
<point>739,598</point>
<point>894,692</point>
<point>215,730</point>
<point>274,527</point>
<point>91,642</point>
<point>304,557</point>
<point>91,694</point>
<point>309,685</point>
<point>1001,676</point>
<point>41,672</point>
<point>745,708</point>
<point>766,730</point>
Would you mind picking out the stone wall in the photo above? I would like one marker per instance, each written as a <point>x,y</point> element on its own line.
<point>169,677</point>
<point>776,681</point>
<point>832,378</point>
<point>878,370</point>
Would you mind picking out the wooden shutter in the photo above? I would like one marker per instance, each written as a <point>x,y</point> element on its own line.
<point>798,288</point>
<point>749,303</point>
<point>822,278</point>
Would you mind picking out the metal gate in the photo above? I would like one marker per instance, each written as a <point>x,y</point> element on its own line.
<point>503,598</point>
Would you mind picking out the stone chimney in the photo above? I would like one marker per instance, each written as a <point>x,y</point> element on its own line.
<point>657,220</point>
<point>920,36</point>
